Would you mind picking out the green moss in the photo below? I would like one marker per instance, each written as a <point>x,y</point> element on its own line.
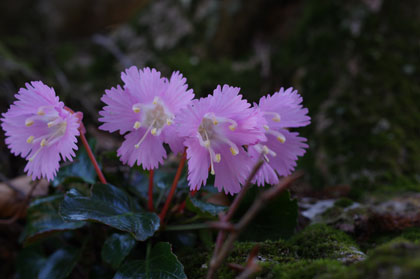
<point>306,269</point>
<point>412,234</point>
<point>397,259</point>
<point>195,262</point>
<point>343,202</point>
<point>320,241</point>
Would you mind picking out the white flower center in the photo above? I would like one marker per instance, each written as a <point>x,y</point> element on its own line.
<point>211,135</point>
<point>56,124</point>
<point>154,116</point>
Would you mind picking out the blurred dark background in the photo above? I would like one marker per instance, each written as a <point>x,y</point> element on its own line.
<point>355,62</point>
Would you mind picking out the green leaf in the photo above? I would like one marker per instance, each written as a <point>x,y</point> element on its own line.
<point>32,263</point>
<point>160,263</point>
<point>276,219</point>
<point>81,170</point>
<point>43,218</point>
<point>111,206</point>
<point>29,262</point>
<point>59,264</point>
<point>116,248</point>
<point>203,208</point>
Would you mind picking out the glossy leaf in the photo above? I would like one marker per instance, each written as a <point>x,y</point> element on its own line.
<point>59,264</point>
<point>32,263</point>
<point>116,248</point>
<point>81,169</point>
<point>43,218</point>
<point>111,206</point>
<point>276,219</point>
<point>161,263</point>
<point>30,260</point>
<point>204,208</point>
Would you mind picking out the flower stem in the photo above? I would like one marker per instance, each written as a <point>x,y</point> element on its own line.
<point>184,203</point>
<point>150,193</point>
<point>174,184</point>
<point>92,157</point>
<point>82,131</point>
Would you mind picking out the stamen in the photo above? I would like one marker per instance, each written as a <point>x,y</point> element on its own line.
<point>276,116</point>
<point>29,122</point>
<point>43,142</point>
<point>266,127</point>
<point>36,153</point>
<point>136,108</point>
<point>154,131</point>
<point>233,148</point>
<point>40,111</point>
<point>279,136</point>
<point>218,119</point>
<point>213,158</point>
<point>169,122</point>
<point>137,125</point>
<point>30,139</point>
<point>206,143</point>
<point>54,122</point>
<point>137,145</point>
<point>156,100</point>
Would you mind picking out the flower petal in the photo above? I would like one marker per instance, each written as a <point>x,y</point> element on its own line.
<point>150,153</point>
<point>198,164</point>
<point>118,113</point>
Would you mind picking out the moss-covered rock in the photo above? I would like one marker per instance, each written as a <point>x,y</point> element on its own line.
<point>320,241</point>
<point>398,259</point>
<point>306,269</point>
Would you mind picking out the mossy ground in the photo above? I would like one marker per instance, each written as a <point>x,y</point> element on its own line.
<point>320,251</point>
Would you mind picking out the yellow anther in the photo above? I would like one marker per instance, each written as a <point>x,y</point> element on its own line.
<point>169,122</point>
<point>266,127</point>
<point>265,149</point>
<point>153,131</point>
<point>137,145</point>
<point>217,158</point>
<point>212,171</point>
<point>137,125</point>
<point>30,139</point>
<point>155,100</point>
<point>276,118</point>
<point>40,111</point>
<point>281,138</point>
<point>29,122</point>
<point>43,142</point>
<point>215,122</point>
<point>50,124</point>
<point>136,109</point>
<point>232,127</point>
<point>234,151</point>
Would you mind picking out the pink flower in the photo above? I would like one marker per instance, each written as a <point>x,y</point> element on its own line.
<point>216,129</point>
<point>39,129</point>
<point>282,147</point>
<point>144,109</point>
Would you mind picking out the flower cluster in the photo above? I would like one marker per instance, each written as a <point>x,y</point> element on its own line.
<point>222,133</point>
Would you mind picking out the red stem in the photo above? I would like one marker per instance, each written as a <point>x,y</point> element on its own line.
<point>91,156</point>
<point>174,184</point>
<point>82,131</point>
<point>184,203</point>
<point>150,199</point>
